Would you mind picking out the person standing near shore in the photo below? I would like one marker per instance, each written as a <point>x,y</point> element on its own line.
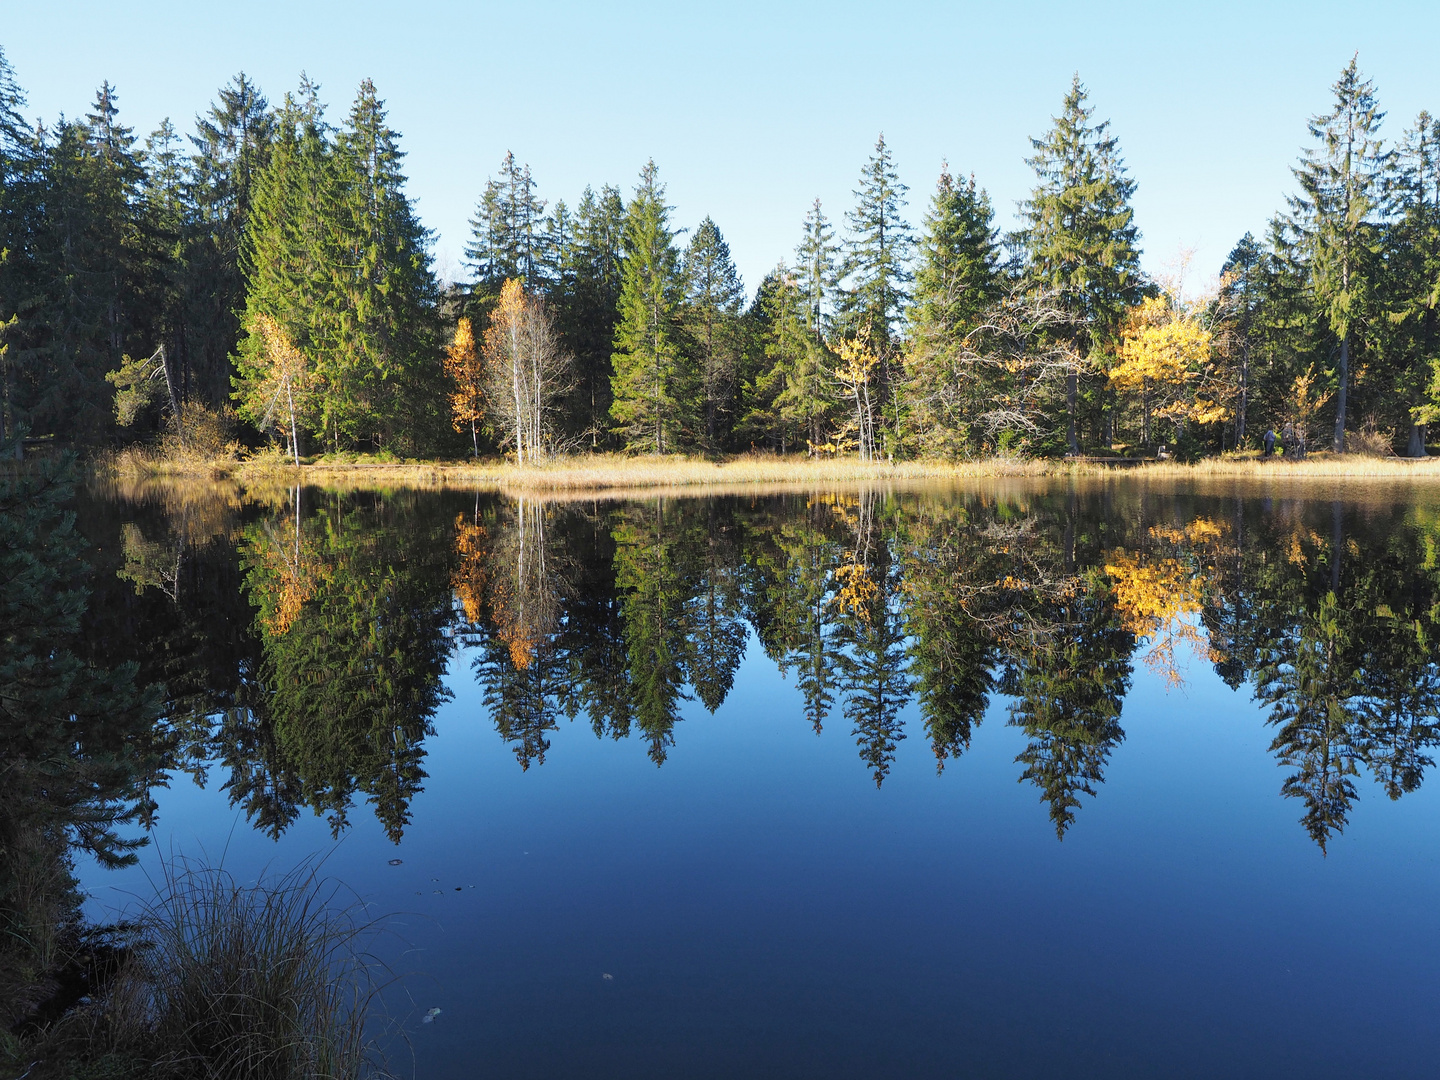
<point>1269,442</point>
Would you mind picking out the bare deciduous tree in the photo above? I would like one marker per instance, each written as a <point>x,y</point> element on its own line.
<point>528,372</point>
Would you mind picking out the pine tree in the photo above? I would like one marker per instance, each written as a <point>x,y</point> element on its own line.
<point>817,269</point>
<point>956,283</point>
<point>877,270</point>
<point>231,148</point>
<point>507,232</point>
<point>19,204</point>
<point>586,314</point>
<point>1336,216</point>
<point>777,325</point>
<point>388,354</point>
<point>1413,272</point>
<point>714,296</point>
<point>1240,299</point>
<point>1078,233</point>
<point>288,251</point>
<point>651,386</point>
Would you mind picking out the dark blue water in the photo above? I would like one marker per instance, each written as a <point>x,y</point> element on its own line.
<point>757,904</point>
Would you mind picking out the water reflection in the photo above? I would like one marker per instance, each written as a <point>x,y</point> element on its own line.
<point>81,743</point>
<point>299,643</point>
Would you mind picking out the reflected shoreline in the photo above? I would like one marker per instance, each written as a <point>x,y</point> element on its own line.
<point>330,617</point>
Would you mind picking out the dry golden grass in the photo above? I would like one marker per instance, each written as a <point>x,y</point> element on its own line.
<point>615,475</point>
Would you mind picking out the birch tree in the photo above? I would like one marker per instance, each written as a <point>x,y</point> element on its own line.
<point>528,372</point>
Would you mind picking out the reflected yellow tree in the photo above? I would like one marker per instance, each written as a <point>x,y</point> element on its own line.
<point>1160,592</point>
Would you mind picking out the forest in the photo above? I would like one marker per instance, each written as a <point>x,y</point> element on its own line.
<point>264,285</point>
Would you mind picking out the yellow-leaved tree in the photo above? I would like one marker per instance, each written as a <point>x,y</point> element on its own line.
<point>856,375</point>
<point>280,388</point>
<point>466,369</point>
<point>1166,357</point>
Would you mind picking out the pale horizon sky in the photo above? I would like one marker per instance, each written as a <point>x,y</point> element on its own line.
<point>753,110</point>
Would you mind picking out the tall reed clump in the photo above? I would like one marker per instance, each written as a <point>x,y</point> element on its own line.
<point>270,981</point>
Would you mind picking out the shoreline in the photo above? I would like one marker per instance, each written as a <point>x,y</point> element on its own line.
<point>617,475</point>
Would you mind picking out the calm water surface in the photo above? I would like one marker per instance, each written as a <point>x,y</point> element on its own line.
<point>1004,781</point>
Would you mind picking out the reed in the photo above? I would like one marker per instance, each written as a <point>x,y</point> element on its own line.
<point>618,474</point>
<point>227,981</point>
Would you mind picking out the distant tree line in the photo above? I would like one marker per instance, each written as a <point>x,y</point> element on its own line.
<point>270,274</point>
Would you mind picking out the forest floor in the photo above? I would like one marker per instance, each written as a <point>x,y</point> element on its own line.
<point>618,474</point>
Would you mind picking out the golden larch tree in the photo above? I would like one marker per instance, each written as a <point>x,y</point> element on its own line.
<point>466,368</point>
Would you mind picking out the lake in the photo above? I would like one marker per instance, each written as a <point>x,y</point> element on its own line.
<point>1025,779</point>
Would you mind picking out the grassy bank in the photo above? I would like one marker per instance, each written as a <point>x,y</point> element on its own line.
<point>599,472</point>
<point>617,475</point>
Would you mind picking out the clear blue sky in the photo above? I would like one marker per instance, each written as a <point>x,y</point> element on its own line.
<point>751,110</point>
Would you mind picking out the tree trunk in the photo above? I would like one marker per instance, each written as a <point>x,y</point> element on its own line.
<point>1145,415</point>
<point>1072,389</point>
<point>1340,397</point>
<point>294,433</point>
<point>1416,448</point>
<point>1244,395</point>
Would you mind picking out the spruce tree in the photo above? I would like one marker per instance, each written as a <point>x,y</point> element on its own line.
<point>817,268</point>
<point>19,205</point>
<point>588,313</point>
<point>877,269</point>
<point>1240,299</point>
<point>651,386</point>
<point>1336,215</point>
<point>231,147</point>
<point>288,251</point>
<point>1413,274</point>
<point>507,232</point>
<point>387,349</point>
<point>714,296</point>
<point>1078,233</point>
<point>956,283</point>
<point>92,266</point>
<point>777,326</point>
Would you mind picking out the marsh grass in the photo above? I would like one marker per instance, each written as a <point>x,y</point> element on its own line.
<point>267,478</point>
<point>270,981</point>
<point>1321,466</point>
<point>222,980</point>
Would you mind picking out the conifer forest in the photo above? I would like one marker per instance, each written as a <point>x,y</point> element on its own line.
<point>267,278</point>
<point>263,280</point>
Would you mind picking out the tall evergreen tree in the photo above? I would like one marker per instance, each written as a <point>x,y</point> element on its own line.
<point>388,342</point>
<point>508,231</point>
<point>1241,296</point>
<point>956,282</point>
<point>877,268</point>
<point>1336,215</point>
<point>586,313</point>
<point>338,260</point>
<point>817,268</point>
<point>714,296</point>
<point>19,204</point>
<point>1414,272</point>
<point>231,147</point>
<point>651,387</point>
<point>287,254</point>
<point>1078,233</point>
<point>777,327</point>
<point>92,266</point>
